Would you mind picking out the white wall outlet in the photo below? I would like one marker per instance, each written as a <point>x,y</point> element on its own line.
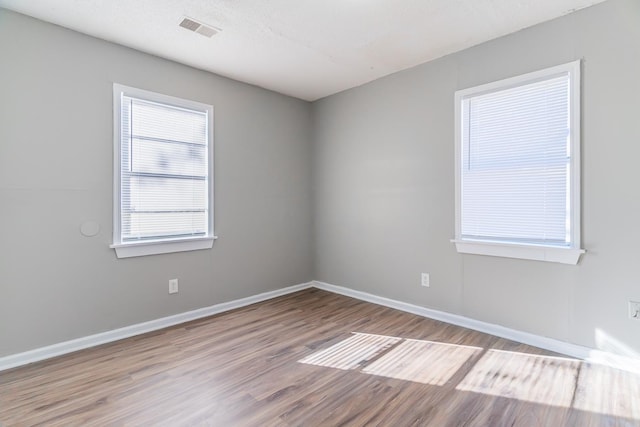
<point>634,310</point>
<point>425,280</point>
<point>173,286</point>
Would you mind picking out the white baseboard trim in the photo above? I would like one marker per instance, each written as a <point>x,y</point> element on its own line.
<point>551,344</point>
<point>573,350</point>
<point>42,353</point>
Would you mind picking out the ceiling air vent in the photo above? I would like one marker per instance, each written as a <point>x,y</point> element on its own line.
<point>199,27</point>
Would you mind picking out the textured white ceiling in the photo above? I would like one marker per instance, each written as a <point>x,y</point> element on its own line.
<point>308,49</point>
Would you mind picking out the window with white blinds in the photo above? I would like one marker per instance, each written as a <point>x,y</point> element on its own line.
<point>518,164</point>
<point>163,197</point>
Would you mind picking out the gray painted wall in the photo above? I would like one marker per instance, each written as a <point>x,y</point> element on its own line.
<point>384,186</point>
<point>56,152</point>
<point>375,191</point>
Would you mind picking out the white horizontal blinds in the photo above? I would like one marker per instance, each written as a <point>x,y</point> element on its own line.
<point>164,171</point>
<point>515,164</point>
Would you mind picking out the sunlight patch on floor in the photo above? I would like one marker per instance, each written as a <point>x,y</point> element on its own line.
<point>532,378</point>
<point>426,362</point>
<point>609,391</point>
<point>544,380</point>
<point>352,352</point>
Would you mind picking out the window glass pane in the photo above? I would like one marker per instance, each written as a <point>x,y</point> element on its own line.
<point>146,193</point>
<point>164,191</point>
<point>153,120</point>
<point>516,205</point>
<point>515,164</point>
<point>148,225</point>
<point>519,126</point>
<point>170,158</point>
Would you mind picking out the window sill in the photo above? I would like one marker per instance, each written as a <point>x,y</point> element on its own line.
<point>129,250</point>
<point>531,252</point>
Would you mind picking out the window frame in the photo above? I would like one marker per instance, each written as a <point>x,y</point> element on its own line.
<point>520,250</point>
<point>163,245</point>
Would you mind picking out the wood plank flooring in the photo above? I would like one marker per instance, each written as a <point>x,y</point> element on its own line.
<point>317,359</point>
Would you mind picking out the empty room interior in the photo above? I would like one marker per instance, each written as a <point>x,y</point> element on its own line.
<point>298,213</point>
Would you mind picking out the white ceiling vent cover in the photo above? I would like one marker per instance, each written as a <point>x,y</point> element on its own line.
<point>198,27</point>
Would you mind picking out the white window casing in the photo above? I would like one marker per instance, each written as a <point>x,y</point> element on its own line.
<point>518,167</point>
<point>163,173</point>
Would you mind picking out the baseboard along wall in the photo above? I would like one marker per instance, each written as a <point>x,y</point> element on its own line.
<point>42,353</point>
<point>572,350</point>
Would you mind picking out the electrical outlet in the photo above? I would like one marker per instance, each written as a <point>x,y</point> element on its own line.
<point>634,310</point>
<point>425,280</point>
<point>173,286</point>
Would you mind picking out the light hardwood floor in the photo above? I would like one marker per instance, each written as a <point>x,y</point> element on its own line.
<point>317,359</point>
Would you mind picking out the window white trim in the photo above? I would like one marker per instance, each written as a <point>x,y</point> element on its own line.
<point>152,247</point>
<point>566,255</point>
<point>509,250</point>
<point>129,250</point>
